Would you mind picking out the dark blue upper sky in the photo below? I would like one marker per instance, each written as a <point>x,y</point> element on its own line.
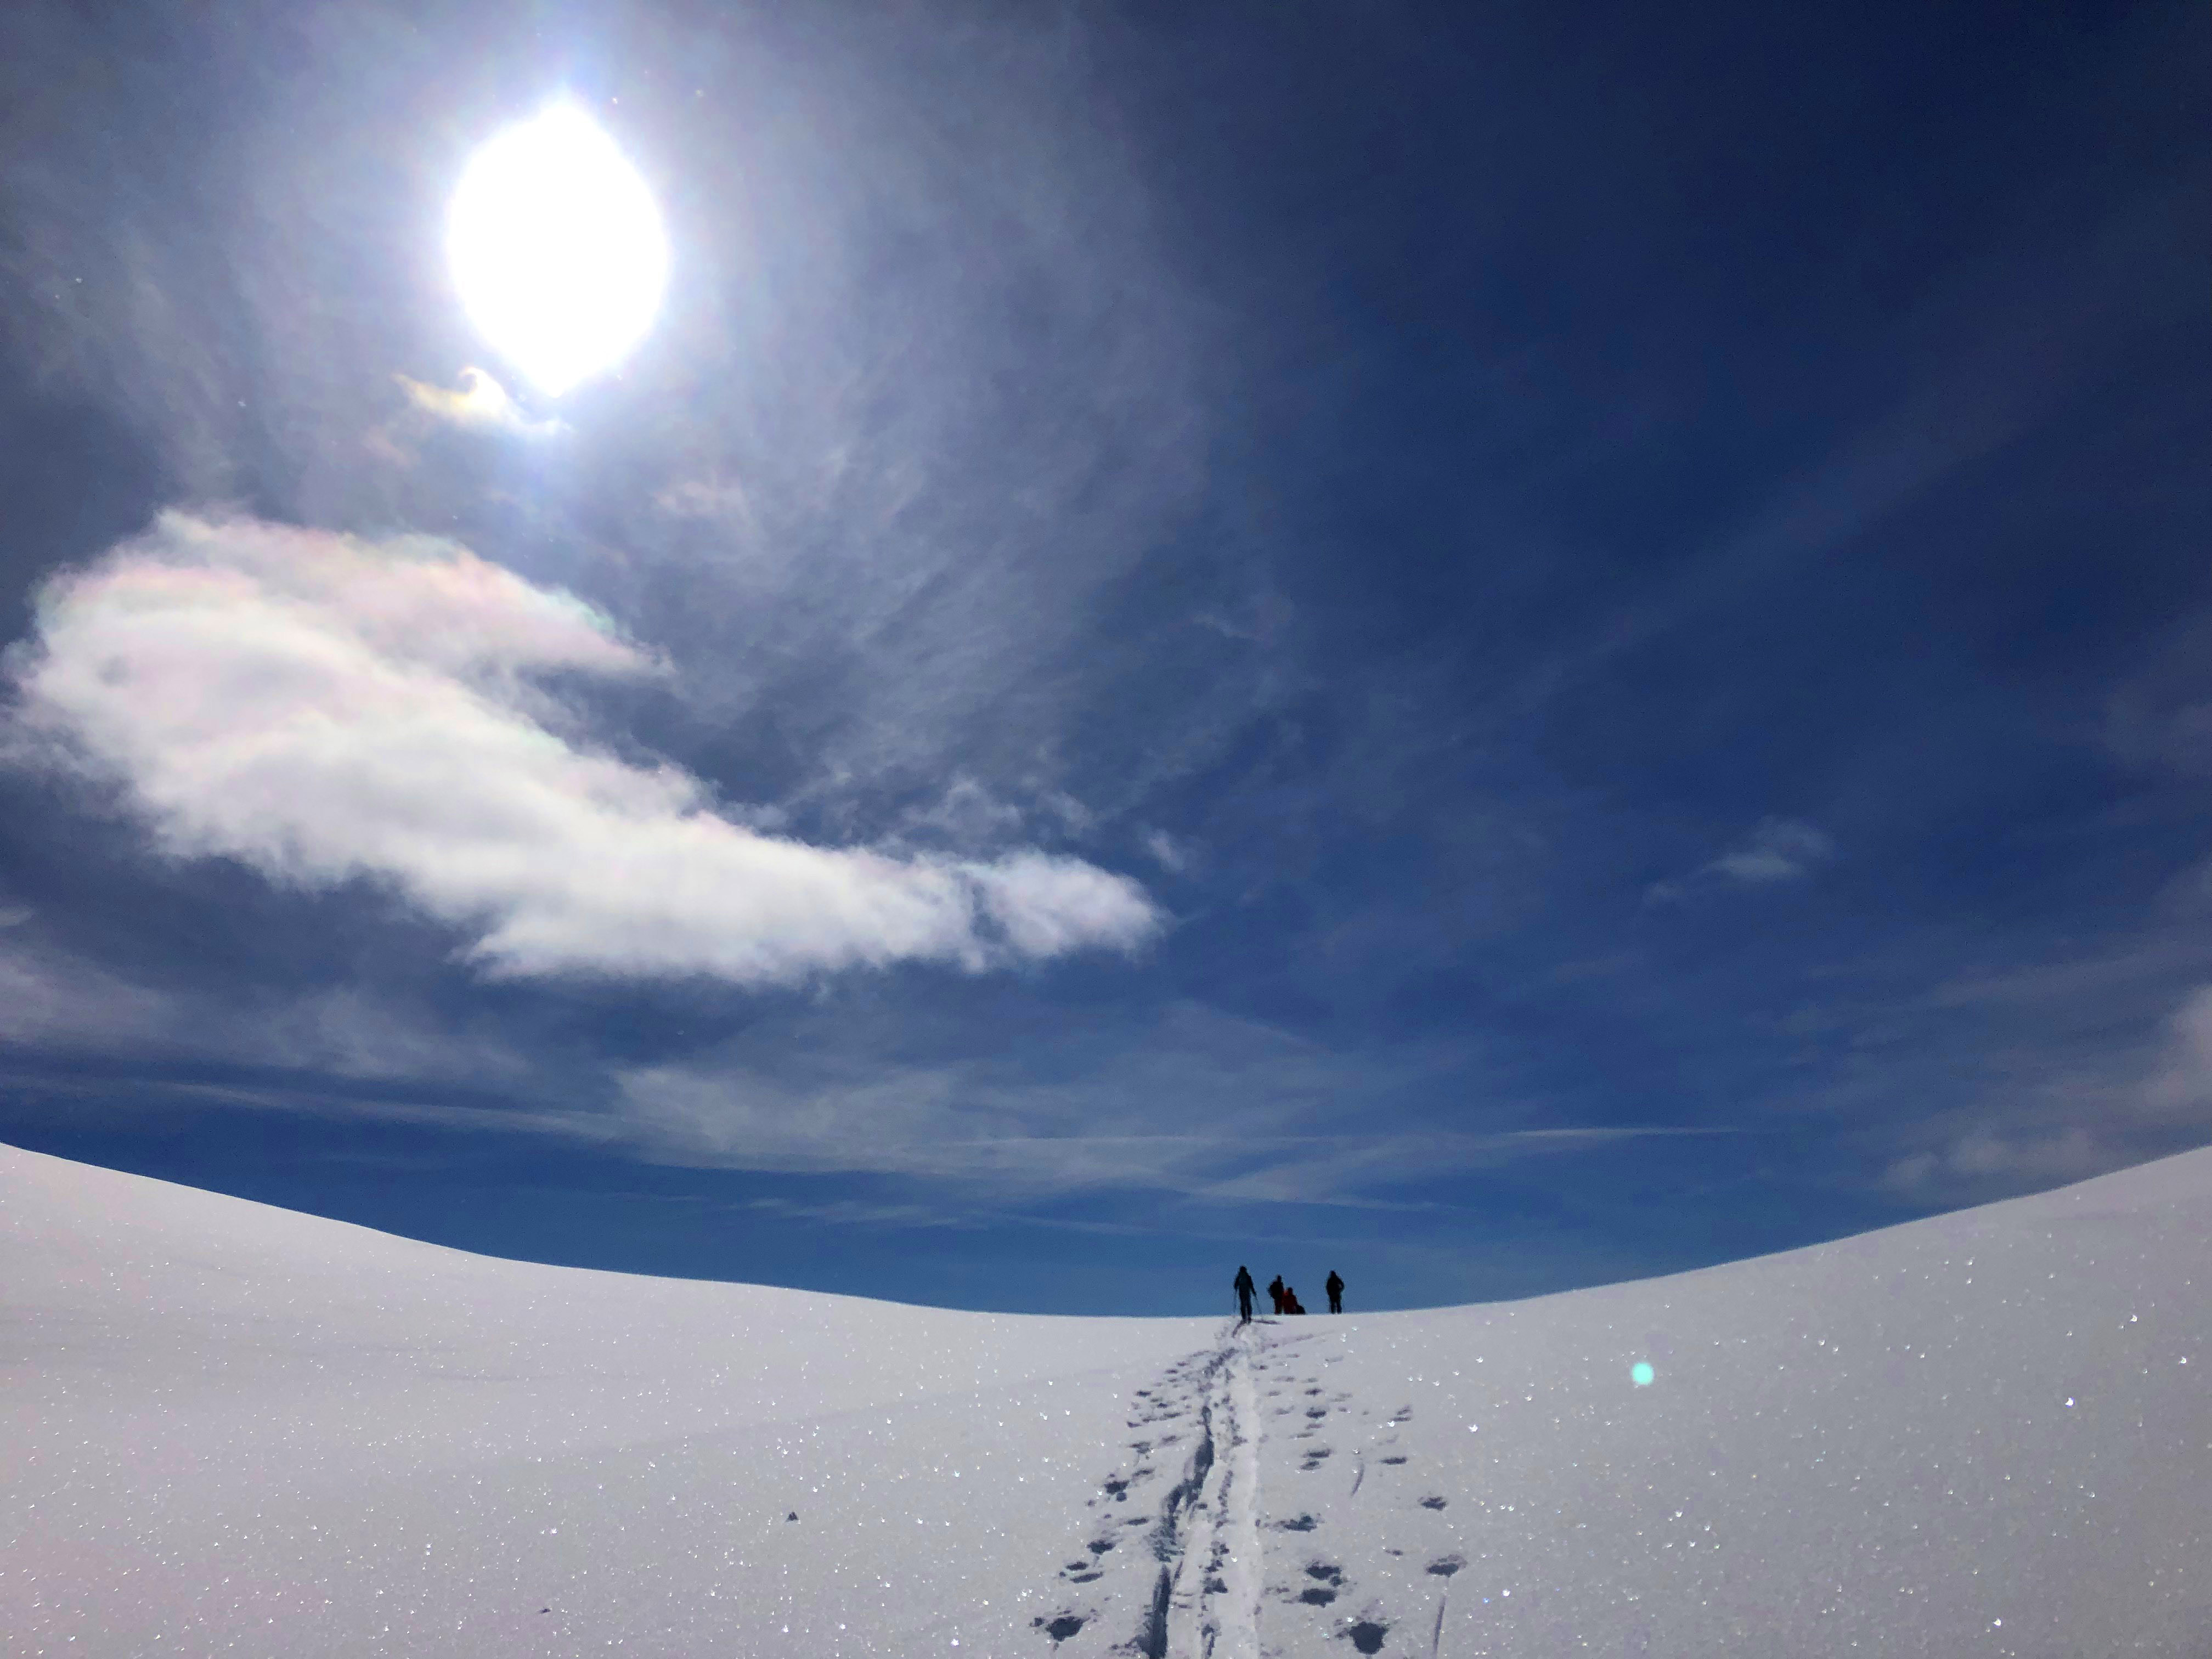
<point>1492,647</point>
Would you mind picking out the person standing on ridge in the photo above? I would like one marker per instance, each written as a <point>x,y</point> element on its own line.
<point>1275,1290</point>
<point>1336,1289</point>
<point>1243,1296</point>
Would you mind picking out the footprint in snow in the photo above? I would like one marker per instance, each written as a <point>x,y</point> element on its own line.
<point>1328,1579</point>
<point>1298,1523</point>
<point>1394,1460</point>
<point>1432,1503</point>
<point>1062,1628</point>
<point>1445,1566</point>
<point>1367,1636</point>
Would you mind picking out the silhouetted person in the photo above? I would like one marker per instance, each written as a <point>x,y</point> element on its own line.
<point>1244,1288</point>
<point>1336,1289</point>
<point>1275,1290</point>
<point>1291,1304</point>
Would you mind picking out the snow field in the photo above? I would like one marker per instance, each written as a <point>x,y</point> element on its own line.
<point>229,1428</point>
<point>233,1429</point>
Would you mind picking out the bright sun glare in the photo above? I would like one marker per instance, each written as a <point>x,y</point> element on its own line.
<point>557,248</point>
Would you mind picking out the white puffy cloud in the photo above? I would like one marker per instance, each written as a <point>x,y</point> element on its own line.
<point>2182,1086</point>
<point>482,405</point>
<point>1998,1161</point>
<point>1775,850</point>
<point>326,709</point>
<point>1778,849</point>
<point>1176,857</point>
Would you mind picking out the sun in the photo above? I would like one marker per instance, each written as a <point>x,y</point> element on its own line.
<point>557,248</point>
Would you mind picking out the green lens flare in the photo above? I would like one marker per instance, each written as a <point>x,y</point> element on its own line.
<point>1640,1374</point>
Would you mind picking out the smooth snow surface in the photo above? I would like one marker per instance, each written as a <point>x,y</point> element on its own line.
<point>231,1429</point>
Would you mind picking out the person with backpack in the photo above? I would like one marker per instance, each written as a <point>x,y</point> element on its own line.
<point>1275,1290</point>
<point>1243,1296</point>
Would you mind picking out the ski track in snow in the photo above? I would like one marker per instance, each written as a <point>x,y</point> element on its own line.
<point>1187,1577</point>
<point>1194,1559</point>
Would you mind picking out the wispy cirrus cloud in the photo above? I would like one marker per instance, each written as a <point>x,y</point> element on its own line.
<point>59,1007</point>
<point>1191,1101</point>
<point>48,999</point>
<point>326,709</point>
<point>2033,1062</point>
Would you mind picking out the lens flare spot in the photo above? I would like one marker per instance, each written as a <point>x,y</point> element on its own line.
<point>1641,1373</point>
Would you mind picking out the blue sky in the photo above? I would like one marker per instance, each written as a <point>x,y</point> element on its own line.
<point>1495,649</point>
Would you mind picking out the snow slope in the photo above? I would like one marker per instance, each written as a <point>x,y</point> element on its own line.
<point>233,1429</point>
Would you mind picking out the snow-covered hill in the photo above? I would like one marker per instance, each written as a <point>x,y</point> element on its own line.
<point>233,1429</point>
